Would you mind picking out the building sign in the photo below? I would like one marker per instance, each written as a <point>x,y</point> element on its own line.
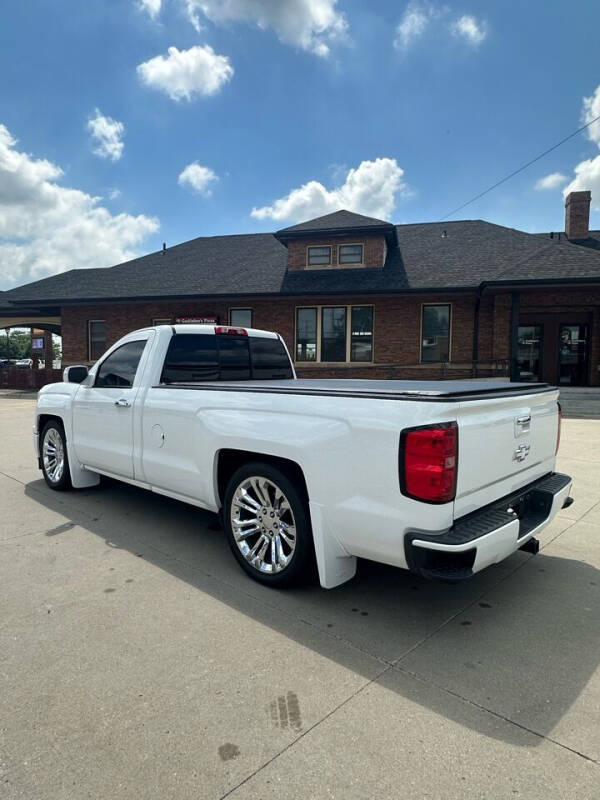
<point>210,320</point>
<point>37,343</point>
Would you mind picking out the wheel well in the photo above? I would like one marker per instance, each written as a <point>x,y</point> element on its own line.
<point>230,460</point>
<point>45,418</point>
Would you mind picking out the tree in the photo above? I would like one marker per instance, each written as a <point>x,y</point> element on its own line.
<point>16,344</point>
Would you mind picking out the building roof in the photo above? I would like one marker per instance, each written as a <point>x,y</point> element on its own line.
<point>341,219</point>
<point>429,256</point>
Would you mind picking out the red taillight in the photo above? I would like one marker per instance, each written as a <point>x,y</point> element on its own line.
<point>429,462</point>
<point>559,427</point>
<point>230,329</point>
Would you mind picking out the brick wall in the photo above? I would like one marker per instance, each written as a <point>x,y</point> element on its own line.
<point>373,252</point>
<point>397,323</point>
<point>500,326</point>
<point>397,328</point>
<point>121,318</point>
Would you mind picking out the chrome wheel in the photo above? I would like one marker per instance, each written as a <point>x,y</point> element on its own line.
<point>263,524</point>
<point>53,455</point>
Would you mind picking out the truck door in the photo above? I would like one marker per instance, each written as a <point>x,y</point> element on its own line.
<point>103,412</point>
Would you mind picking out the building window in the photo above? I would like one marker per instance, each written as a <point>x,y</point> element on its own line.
<point>334,334</point>
<point>318,256</point>
<point>361,334</point>
<point>306,334</point>
<point>240,317</point>
<point>350,254</point>
<point>435,333</point>
<point>162,321</point>
<point>96,338</point>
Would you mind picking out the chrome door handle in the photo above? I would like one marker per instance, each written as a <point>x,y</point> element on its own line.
<point>522,425</point>
<point>122,402</point>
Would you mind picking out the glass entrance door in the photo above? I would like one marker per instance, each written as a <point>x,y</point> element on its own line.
<point>529,352</point>
<point>572,355</point>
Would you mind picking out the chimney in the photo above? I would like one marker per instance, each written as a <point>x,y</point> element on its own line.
<point>577,215</point>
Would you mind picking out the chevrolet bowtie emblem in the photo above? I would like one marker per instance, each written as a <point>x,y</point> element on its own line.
<point>521,452</point>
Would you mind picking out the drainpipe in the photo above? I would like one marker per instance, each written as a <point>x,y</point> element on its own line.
<point>475,358</point>
<point>515,303</point>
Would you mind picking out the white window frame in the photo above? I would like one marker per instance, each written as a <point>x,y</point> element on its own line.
<point>348,307</point>
<point>351,263</point>
<point>241,308</point>
<point>89,327</point>
<point>321,264</point>
<point>450,321</point>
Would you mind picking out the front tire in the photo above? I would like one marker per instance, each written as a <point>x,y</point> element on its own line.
<point>55,461</point>
<point>267,525</point>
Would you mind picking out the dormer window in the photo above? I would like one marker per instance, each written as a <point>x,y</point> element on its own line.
<point>350,254</point>
<point>318,256</point>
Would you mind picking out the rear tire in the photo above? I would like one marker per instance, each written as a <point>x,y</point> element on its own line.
<point>54,458</point>
<point>267,525</point>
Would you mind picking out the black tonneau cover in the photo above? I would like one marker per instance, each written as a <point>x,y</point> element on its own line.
<point>432,391</point>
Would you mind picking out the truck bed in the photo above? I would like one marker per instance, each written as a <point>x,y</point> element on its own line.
<point>440,391</point>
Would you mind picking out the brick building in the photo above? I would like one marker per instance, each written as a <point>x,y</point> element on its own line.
<point>357,297</point>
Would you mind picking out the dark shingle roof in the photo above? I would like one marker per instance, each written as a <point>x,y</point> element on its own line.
<point>438,255</point>
<point>557,260</point>
<point>242,264</point>
<point>336,220</point>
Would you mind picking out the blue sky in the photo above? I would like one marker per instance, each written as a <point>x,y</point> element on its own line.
<point>127,123</point>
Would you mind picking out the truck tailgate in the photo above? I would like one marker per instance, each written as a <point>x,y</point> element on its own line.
<point>504,444</point>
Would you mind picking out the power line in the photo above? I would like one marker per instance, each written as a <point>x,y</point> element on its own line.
<point>528,164</point>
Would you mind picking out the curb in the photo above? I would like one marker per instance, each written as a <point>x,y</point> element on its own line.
<point>17,394</point>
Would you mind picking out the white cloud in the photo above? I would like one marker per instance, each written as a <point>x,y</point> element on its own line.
<point>414,21</point>
<point>311,25</point>
<point>114,194</point>
<point>469,28</point>
<point>46,228</point>
<point>151,6</point>
<point>591,110</point>
<point>369,189</point>
<point>193,13</point>
<point>419,16</point>
<point>198,178</point>
<point>587,177</point>
<point>552,181</point>
<point>186,73</point>
<point>107,134</point>
<point>587,173</point>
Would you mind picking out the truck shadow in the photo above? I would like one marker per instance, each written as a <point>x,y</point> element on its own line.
<point>520,640</point>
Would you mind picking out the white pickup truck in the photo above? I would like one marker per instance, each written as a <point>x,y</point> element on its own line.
<point>440,477</point>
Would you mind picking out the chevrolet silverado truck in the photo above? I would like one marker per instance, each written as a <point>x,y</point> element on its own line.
<point>443,478</point>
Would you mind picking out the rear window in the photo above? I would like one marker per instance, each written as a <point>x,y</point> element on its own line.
<point>190,359</point>
<point>269,359</point>
<point>234,356</point>
<point>197,357</point>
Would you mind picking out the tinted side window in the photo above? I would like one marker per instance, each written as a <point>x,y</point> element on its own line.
<point>120,367</point>
<point>191,357</point>
<point>235,357</point>
<point>269,359</point>
<point>194,357</point>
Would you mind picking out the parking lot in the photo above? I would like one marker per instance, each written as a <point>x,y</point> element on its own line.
<point>138,661</point>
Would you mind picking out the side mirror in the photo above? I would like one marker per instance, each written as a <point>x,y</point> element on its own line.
<point>75,374</point>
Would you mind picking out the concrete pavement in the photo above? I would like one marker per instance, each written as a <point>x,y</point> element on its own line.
<point>137,660</point>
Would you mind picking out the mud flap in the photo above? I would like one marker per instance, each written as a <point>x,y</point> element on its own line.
<point>334,564</point>
<point>81,478</point>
